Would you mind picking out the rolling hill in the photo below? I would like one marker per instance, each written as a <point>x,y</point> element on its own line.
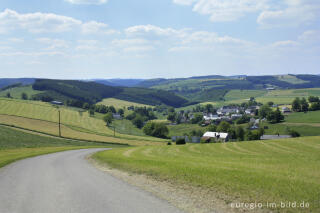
<point>92,92</point>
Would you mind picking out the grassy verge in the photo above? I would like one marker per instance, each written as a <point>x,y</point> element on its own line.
<point>270,171</point>
<point>16,145</point>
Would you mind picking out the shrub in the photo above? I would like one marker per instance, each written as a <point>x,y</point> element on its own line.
<point>181,141</point>
<point>294,133</point>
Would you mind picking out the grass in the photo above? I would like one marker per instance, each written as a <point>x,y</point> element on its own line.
<point>78,121</point>
<point>304,130</point>
<point>287,96</point>
<point>257,171</point>
<point>126,127</point>
<point>291,79</point>
<point>182,129</point>
<point>120,103</point>
<point>243,94</point>
<point>300,117</point>
<point>17,91</point>
<point>16,145</point>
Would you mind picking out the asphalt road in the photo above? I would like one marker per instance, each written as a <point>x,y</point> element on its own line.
<point>66,182</point>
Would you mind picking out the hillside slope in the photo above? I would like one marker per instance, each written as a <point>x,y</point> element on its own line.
<point>92,92</point>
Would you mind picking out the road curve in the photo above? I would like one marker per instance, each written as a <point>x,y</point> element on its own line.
<point>66,182</point>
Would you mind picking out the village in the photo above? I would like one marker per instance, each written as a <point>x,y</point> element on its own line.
<point>245,116</point>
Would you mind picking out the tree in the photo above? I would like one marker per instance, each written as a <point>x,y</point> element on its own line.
<point>264,111</point>
<point>270,103</point>
<point>212,128</point>
<point>304,105</point>
<point>24,96</point>
<point>275,116</point>
<point>223,126</point>
<point>8,95</point>
<point>240,133</point>
<point>86,106</point>
<point>121,112</point>
<point>112,109</point>
<point>296,105</point>
<point>313,99</point>
<point>315,106</point>
<point>91,112</point>
<point>108,118</point>
<point>172,116</point>
<point>244,119</point>
<point>198,117</point>
<point>154,129</point>
<point>209,108</point>
<point>138,121</point>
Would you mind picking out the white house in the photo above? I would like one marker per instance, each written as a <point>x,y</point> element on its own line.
<point>218,136</point>
<point>211,117</point>
<point>286,110</point>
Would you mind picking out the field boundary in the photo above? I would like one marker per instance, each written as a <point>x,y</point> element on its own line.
<point>62,137</point>
<point>84,130</point>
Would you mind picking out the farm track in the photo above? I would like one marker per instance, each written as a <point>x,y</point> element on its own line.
<point>67,182</point>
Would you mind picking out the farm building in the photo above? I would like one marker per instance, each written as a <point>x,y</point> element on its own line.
<point>285,110</point>
<point>56,102</point>
<point>116,116</point>
<point>217,136</point>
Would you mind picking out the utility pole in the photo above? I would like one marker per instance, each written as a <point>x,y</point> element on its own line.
<point>59,123</point>
<point>114,131</point>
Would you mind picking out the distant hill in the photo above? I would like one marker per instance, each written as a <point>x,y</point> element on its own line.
<point>119,82</point>
<point>213,87</point>
<point>92,92</point>
<point>4,82</point>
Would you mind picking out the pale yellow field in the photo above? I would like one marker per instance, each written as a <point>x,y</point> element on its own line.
<point>81,121</point>
<point>120,103</point>
<point>53,129</point>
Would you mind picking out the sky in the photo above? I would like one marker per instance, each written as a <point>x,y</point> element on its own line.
<point>86,39</point>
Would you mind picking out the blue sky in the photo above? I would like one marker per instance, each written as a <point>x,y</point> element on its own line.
<point>83,39</point>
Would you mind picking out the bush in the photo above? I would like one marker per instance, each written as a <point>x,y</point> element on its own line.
<point>169,143</point>
<point>294,133</point>
<point>181,141</point>
<point>155,129</point>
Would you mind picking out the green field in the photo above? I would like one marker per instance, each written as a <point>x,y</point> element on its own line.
<point>300,117</point>
<point>243,95</point>
<point>17,91</point>
<point>263,96</point>
<point>75,121</point>
<point>126,127</point>
<point>182,129</point>
<point>287,96</point>
<point>303,129</point>
<point>16,145</point>
<point>120,103</point>
<point>257,171</point>
<point>291,79</point>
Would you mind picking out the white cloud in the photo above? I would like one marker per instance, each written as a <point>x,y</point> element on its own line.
<point>94,27</point>
<point>138,49</point>
<point>184,2</point>
<point>53,43</point>
<point>97,2</point>
<point>222,10</point>
<point>11,20</point>
<point>310,36</point>
<point>272,13</point>
<point>16,40</point>
<point>36,22</point>
<point>91,45</point>
<point>285,44</point>
<point>151,29</point>
<point>127,42</point>
<point>295,14</point>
